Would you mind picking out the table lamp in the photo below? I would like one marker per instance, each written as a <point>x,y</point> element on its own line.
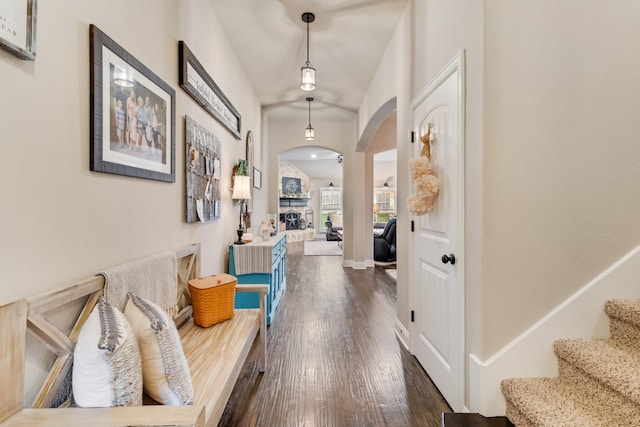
<point>242,192</point>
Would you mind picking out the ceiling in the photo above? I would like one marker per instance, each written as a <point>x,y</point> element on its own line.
<point>320,163</point>
<point>347,41</point>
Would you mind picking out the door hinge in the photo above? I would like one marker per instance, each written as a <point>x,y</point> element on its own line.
<point>413,137</point>
<point>412,226</point>
<point>413,316</point>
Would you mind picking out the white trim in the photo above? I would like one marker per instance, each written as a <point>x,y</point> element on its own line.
<point>457,64</point>
<point>531,353</point>
<point>403,334</point>
<point>368,263</point>
<point>349,263</point>
<point>359,265</point>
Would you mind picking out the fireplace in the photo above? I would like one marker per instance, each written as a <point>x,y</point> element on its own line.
<point>291,220</point>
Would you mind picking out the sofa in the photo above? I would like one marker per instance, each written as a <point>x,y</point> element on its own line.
<point>334,226</point>
<point>384,246</point>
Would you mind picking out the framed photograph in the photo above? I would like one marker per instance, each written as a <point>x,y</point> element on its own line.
<point>257,178</point>
<point>194,79</point>
<point>132,115</point>
<point>18,27</point>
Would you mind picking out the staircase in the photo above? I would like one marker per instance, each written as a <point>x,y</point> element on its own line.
<point>598,382</point>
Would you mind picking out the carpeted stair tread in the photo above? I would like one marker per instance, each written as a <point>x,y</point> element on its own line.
<point>598,383</point>
<point>616,367</point>
<point>627,310</point>
<point>552,402</point>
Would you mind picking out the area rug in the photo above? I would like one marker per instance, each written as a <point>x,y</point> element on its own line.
<point>322,247</point>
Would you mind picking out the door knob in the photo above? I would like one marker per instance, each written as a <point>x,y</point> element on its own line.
<point>449,258</point>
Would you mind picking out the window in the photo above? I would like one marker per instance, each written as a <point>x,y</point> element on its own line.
<point>384,204</point>
<point>331,201</point>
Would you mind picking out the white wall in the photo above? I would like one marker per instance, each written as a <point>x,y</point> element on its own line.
<point>336,135</point>
<point>60,222</point>
<point>561,158</point>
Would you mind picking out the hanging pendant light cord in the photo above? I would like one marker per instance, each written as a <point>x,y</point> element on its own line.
<point>308,44</point>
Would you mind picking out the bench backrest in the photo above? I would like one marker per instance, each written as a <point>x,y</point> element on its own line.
<point>13,325</point>
<point>38,315</point>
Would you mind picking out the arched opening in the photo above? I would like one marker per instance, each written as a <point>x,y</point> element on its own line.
<point>309,188</point>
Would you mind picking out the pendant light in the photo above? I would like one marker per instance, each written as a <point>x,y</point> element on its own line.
<point>309,132</point>
<point>308,73</point>
<point>123,75</point>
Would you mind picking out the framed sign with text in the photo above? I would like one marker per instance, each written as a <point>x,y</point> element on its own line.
<point>200,86</point>
<point>18,27</point>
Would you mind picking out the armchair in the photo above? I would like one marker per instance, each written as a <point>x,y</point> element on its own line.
<point>384,246</point>
<point>334,227</point>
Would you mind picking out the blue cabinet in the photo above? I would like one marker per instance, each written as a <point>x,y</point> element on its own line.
<point>261,262</point>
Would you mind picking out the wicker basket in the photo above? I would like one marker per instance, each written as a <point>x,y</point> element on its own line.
<point>212,298</point>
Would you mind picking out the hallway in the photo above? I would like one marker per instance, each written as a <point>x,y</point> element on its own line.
<point>334,359</point>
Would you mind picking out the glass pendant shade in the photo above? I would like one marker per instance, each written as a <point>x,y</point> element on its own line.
<point>309,133</point>
<point>123,75</point>
<point>308,74</point>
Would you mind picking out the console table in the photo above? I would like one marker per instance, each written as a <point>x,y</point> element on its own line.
<point>260,262</point>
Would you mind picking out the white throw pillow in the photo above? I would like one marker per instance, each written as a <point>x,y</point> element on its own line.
<point>165,371</point>
<point>336,219</point>
<point>107,367</point>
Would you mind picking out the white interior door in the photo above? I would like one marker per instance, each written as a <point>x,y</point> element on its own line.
<point>437,286</point>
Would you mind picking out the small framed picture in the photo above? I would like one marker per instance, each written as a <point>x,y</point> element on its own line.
<point>257,178</point>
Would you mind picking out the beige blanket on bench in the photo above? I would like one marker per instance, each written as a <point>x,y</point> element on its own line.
<point>153,278</point>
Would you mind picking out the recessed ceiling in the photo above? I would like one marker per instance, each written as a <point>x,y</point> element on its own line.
<point>347,41</point>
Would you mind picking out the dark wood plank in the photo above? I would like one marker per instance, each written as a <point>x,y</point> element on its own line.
<point>334,359</point>
<point>473,420</point>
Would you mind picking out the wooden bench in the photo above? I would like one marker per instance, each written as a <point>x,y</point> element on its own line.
<point>215,356</point>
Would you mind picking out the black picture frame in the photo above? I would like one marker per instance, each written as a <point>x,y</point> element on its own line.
<point>195,80</point>
<point>18,27</point>
<point>144,146</point>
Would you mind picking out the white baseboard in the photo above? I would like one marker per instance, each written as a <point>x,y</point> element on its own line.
<point>403,334</point>
<point>369,263</point>
<point>531,354</point>
<point>356,265</point>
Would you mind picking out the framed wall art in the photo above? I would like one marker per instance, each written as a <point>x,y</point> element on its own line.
<point>257,178</point>
<point>194,79</point>
<point>203,167</point>
<point>18,27</point>
<point>291,187</point>
<point>132,115</point>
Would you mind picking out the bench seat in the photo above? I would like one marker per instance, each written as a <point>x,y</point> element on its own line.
<point>215,356</point>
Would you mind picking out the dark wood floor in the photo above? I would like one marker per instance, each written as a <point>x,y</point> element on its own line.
<point>334,359</point>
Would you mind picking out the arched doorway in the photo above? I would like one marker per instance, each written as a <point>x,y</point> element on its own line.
<point>312,170</point>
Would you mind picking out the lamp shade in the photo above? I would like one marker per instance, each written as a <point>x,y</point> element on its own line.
<point>241,188</point>
<point>308,78</point>
<point>309,133</point>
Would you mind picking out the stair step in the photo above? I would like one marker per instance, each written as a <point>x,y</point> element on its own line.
<point>624,309</point>
<point>624,323</point>
<point>458,419</point>
<point>616,367</point>
<point>553,402</point>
